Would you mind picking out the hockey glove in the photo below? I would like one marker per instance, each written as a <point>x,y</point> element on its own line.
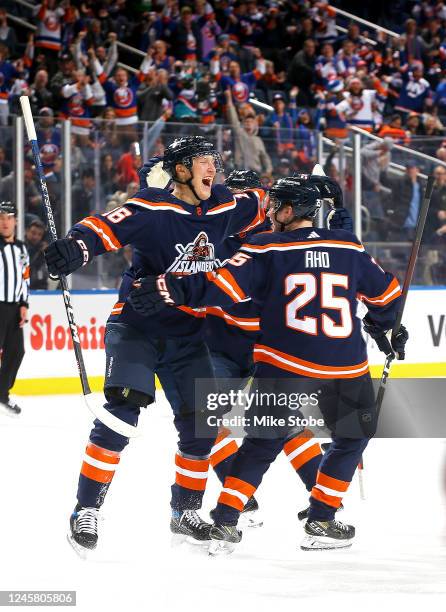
<point>153,175</point>
<point>395,345</point>
<point>339,218</point>
<point>65,256</point>
<point>152,294</point>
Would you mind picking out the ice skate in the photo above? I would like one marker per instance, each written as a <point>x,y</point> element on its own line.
<point>302,515</point>
<point>83,535</point>
<point>189,527</point>
<point>223,539</point>
<point>10,408</point>
<point>251,516</point>
<point>327,535</point>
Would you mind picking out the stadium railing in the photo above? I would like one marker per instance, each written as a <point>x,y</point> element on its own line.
<point>109,151</point>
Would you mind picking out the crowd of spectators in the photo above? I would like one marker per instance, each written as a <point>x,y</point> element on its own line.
<point>261,77</point>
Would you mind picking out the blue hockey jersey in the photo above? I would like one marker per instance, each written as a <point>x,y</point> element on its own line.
<point>306,284</point>
<point>233,331</point>
<point>169,235</point>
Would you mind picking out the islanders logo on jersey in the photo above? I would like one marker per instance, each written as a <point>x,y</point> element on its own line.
<point>123,96</point>
<point>196,256</point>
<point>240,91</point>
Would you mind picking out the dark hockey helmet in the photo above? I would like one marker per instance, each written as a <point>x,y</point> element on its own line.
<point>185,150</point>
<point>304,198</point>
<point>329,189</point>
<point>243,179</point>
<point>7,208</point>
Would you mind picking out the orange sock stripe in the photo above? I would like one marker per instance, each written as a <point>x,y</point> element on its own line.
<point>294,443</point>
<point>102,454</point>
<point>306,456</point>
<point>229,449</point>
<point>196,465</point>
<point>239,485</point>
<point>332,483</point>
<point>330,500</point>
<point>196,484</point>
<point>94,473</point>
<point>231,500</point>
<point>223,432</point>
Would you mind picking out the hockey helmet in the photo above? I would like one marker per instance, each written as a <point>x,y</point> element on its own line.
<point>185,150</point>
<point>243,179</point>
<point>304,198</point>
<point>328,188</point>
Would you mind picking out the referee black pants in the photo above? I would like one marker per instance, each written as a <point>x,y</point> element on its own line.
<point>11,346</point>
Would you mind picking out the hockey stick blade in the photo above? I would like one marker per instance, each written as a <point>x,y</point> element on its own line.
<point>98,410</point>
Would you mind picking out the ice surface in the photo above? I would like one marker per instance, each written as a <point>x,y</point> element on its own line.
<point>398,558</point>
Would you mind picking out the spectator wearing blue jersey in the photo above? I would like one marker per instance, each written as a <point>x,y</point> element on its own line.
<point>414,92</point>
<point>279,125</point>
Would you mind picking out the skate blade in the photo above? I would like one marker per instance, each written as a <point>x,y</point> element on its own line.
<point>250,519</point>
<point>218,548</point>
<point>8,413</point>
<point>178,539</point>
<point>323,543</point>
<point>82,552</point>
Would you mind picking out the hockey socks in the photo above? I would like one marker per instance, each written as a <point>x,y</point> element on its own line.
<point>304,454</point>
<point>97,471</point>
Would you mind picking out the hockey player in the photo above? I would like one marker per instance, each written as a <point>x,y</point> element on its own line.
<point>306,282</point>
<point>163,228</point>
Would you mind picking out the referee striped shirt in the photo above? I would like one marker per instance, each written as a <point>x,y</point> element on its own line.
<point>14,272</point>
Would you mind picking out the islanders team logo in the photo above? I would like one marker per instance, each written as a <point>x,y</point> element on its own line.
<point>123,96</point>
<point>197,256</point>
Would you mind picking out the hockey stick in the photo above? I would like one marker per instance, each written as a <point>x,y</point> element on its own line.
<point>407,281</point>
<point>95,407</point>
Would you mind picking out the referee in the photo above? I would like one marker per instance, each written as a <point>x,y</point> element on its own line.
<point>14,282</point>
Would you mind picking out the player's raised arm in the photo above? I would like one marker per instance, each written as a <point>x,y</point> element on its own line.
<point>98,234</point>
<point>235,282</point>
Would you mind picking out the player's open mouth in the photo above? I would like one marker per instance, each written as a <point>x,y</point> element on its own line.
<point>207,182</point>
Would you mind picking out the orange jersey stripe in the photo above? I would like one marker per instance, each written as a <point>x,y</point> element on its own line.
<point>26,273</point>
<point>94,473</point>
<point>266,354</point>
<point>241,322</point>
<point>391,293</point>
<point>302,245</point>
<point>196,484</point>
<point>102,454</point>
<point>195,465</point>
<point>125,112</point>
<point>239,485</point>
<point>335,502</point>
<point>109,240</point>
<point>231,500</point>
<point>160,205</point>
<point>227,283</point>
<point>200,313</point>
<point>221,207</point>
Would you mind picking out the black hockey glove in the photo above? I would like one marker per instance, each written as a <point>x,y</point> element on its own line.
<point>65,256</point>
<point>151,294</point>
<point>339,218</point>
<point>397,342</point>
<point>153,175</point>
